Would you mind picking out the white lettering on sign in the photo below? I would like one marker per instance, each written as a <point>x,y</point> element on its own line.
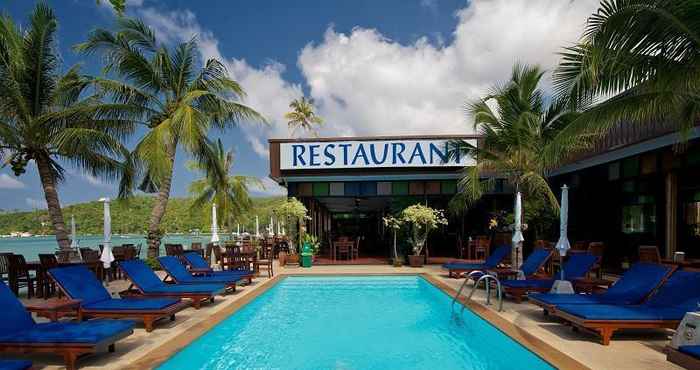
<point>371,154</point>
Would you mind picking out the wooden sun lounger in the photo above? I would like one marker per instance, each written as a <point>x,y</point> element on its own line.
<point>196,298</point>
<point>70,351</point>
<point>606,328</point>
<point>681,359</point>
<point>147,316</point>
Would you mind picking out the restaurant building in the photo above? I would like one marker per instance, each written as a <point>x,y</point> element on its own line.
<point>639,186</point>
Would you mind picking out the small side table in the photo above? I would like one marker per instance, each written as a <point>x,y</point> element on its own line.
<point>505,273</point>
<point>52,309</point>
<point>591,285</point>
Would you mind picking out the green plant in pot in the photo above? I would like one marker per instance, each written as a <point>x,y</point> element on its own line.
<point>312,242</point>
<point>293,212</point>
<point>394,224</point>
<point>423,220</point>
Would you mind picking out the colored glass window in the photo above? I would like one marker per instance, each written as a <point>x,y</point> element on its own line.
<point>337,189</point>
<point>416,188</point>
<point>432,187</point>
<point>399,188</point>
<point>304,189</point>
<point>352,188</point>
<point>368,188</point>
<point>449,187</point>
<point>320,189</point>
<point>383,188</point>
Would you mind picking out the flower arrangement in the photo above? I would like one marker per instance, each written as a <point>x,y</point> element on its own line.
<point>394,224</point>
<point>293,210</point>
<point>423,219</point>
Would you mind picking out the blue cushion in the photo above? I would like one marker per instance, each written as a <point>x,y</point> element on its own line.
<point>15,364</point>
<point>128,304</point>
<point>80,283</point>
<point>196,260</point>
<point>622,313</point>
<point>212,289</point>
<point>578,265</point>
<point>491,262</point>
<point>14,316</point>
<point>179,273</point>
<point>691,350</point>
<point>534,261</point>
<point>681,290</point>
<point>90,332</point>
<point>631,288</point>
<point>140,274</point>
<point>529,283</point>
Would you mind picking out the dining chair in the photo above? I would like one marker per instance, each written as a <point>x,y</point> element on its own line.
<point>343,248</point>
<point>5,267</point>
<point>649,253</point>
<point>482,247</point>
<point>597,249</point>
<point>356,248</point>
<point>20,277</point>
<point>265,260</point>
<point>48,286</point>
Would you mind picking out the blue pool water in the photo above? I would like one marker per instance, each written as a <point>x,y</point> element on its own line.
<point>373,322</point>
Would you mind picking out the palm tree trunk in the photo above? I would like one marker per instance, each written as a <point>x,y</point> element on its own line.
<point>158,211</point>
<point>48,182</point>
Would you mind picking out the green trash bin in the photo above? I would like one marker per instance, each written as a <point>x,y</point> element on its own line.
<point>306,255</point>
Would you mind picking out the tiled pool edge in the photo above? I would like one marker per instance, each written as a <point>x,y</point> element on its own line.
<point>535,345</point>
<point>162,353</point>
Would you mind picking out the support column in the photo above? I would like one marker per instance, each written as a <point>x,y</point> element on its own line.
<point>671,208</point>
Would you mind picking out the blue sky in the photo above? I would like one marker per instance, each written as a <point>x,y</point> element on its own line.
<point>373,67</point>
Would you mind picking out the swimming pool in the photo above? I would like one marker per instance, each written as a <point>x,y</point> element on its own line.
<point>359,322</point>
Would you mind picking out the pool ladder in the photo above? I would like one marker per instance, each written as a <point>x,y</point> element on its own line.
<point>486,277</point>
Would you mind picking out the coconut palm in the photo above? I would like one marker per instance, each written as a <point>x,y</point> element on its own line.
<point>177,102</point>
<point>302,116</point>
<point>52,118</point>
<point>522,139</point>
<point>230,192</point>
<point>638,61</point>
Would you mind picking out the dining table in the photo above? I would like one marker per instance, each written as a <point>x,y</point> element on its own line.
<point>334,248</point>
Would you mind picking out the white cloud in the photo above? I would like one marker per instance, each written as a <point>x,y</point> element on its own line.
<point>9,182</point>
<point>269,188</point>
<point>36,203</point>
<point>366,84</point>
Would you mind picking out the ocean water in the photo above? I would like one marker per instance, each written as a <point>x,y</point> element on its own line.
<point>31,247</point>
<point>373,322</point>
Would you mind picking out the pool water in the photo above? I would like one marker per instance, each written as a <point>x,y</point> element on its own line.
<point>372,322</point>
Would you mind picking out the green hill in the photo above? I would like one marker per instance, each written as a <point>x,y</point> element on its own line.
<point>131,217</point>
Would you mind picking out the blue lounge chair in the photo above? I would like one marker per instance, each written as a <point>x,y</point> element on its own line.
<point>199,266</point>
<point>15,364</point>
<point>578,265</point>
<point>77,282</point>
<point>632,288</point>
<point>679,294</point>
<point>149,284</point>
<point>179,274</point>
<point>455,269</point>
<point>688,357</point>
<point>533,263</point>
<point>19,333</point>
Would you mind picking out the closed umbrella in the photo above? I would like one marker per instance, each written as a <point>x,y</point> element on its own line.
<point>257,227</point>
<point>73,236</point>
<point>107,257</point>
<point>561,285</point>
<point>517,232</point>
<point>214,226</point>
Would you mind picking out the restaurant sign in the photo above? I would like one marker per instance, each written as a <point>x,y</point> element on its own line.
<point>370,154</point>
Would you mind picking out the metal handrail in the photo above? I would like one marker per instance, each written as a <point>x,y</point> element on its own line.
<point>484,276</point>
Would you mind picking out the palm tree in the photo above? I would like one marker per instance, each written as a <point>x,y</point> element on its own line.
<point>302,116</point>
<point>52,118</point>
<point>230,193</point>
<point>176,101</point>
<point>522,139</point>
<point>638,61</point>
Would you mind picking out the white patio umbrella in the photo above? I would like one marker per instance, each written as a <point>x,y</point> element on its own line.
<point>257,227</point>
<point>73,235</point>
<point>272,226</point>
<point>517,232</point>
<point>107,257</point>
<point>214,226</point>
<point>561,285</point>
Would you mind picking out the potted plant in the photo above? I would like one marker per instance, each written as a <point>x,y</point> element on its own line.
<point>423,219</point>
<point>293,210</point>
<point>394,224</point>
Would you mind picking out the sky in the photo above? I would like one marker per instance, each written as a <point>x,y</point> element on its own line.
<point>372,67</point>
